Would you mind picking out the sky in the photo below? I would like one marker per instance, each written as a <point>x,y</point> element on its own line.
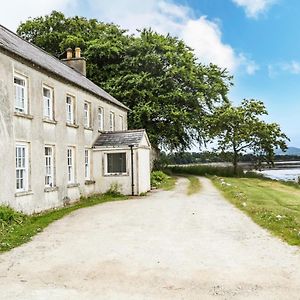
<point>258,41</point>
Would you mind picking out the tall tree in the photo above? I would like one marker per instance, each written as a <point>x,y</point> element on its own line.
<point>240,129</point>
<point>157,76</point>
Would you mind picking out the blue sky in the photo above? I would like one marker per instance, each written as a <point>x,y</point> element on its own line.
<point>257,40</point>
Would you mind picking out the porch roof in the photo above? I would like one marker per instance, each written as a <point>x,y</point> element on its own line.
<point>120,138</point>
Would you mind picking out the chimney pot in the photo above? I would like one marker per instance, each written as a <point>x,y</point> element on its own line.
<point>69,53</point>
<point>77,52</point>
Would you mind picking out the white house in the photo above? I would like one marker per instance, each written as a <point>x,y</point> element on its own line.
<point>61,136</point>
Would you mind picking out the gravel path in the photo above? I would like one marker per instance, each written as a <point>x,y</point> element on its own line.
<point>164,246</point>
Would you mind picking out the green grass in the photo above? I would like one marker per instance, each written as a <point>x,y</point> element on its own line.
<point>162,181</point>
<point>273,205</point>
<point>194,185</point>
<point>17,228</point>
<point>168,184</point>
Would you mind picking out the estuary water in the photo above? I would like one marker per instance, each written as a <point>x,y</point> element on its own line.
<point>282,174</point>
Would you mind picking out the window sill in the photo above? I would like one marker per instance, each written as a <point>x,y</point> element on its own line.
<point>23,115</point>
<point>24,193</point>
<point>49,121</point>
<point>72,125</point>
<point>116,174</point>
<point>89,182</point>
<point>50,189</point>
<point>73,185</point>
<point>88,128</point>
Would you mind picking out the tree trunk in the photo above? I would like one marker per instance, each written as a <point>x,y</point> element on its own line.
<point>235,163</point>
<point>155,152</point>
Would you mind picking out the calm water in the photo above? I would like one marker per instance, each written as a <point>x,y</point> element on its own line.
<point>282,174</point>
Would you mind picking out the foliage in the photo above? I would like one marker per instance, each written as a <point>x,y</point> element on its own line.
<point>158,177</point>
<point>17,229</point>
<point>204,170</point>
<point>114,189</point>
<point>182,158</point>
<point>155,75</point>
<point>10,217</point>
<point>271,204</point>
<point>239,129</point>
<point>161,180</point>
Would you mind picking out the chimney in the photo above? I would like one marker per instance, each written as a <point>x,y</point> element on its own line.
<point>77,63</point>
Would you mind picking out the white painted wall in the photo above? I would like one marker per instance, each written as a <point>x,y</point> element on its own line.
<point>37,133</point>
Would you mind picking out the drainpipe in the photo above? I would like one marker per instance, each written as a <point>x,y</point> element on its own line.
<point>132,171</point>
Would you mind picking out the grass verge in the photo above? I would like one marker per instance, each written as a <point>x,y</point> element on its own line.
<point>17,228</point>
<point>168,184</point>
<point>273,205</point>
<point>194,185</point>
<point>162,181</point>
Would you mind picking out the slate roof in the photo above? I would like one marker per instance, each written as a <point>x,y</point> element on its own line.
<point>16,45</point>
<point>119,138</point>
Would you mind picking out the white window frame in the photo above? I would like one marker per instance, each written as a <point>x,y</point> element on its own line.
<point>22,167</point>
<point>48,103</point>
<point>70,109</point>
<point>49,166</point>
<point>112,121</point>
<point>121,123</point>
<point>87,164</point>
<point>71,165</point>
<point>87,114</point>
<point>21,103</point>
<point>115,173</point>
<point>100,118</point>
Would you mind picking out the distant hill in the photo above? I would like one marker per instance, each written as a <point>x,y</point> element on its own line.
<point>290,151</point>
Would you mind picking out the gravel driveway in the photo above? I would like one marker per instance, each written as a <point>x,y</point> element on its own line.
<point>164,246</point>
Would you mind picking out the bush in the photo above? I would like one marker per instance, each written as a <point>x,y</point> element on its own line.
<point>114,189</point>
<point>157,178</point>
<point>203,170</point>
<point>10,217</point>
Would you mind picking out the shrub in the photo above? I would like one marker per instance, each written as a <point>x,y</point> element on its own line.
<point>114,189</point>
<point>157,178</point>
<point>203,170</point>
<point>10,217</point>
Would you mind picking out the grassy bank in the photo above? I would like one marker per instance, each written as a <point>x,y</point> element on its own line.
<point>162,181</point>
<point>17,228</point>
<point>273,205</point>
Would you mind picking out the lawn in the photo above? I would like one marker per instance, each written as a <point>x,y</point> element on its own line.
<point>17,228</point>
<point>271,204</point>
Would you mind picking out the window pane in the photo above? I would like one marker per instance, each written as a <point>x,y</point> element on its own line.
<point>46,93</point>
<point>116,163</point>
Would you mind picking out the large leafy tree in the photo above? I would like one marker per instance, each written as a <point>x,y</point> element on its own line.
<point>157,76</point>
<point>240,129</point>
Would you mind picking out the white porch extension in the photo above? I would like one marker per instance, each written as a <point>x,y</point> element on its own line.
<point>122,159</point>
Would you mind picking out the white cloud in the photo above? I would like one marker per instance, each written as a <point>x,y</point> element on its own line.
<point>204,37</point>
<point>292,67</point>
<point>164,16</point>
<point>251,67</point>
<point>13,12</point>
<point>254,8</point>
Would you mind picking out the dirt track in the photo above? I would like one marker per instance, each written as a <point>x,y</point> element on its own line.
<point>165,246</point>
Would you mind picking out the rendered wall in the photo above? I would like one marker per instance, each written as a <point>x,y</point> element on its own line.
<point>38,133</point>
